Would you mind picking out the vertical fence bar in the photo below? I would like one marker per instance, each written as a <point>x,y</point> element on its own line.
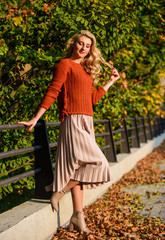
<point>43,161</point>
<point>149,129</point>
<point>158,125</point>
<point>143,137</point>
<point>125,148</point>
<point>154,127</point>
<point>163,124</point>
<point>110,152</point>
<point>135,141</point>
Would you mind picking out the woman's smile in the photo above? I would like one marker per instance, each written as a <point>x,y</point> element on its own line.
<point>82,52</point>
<point>81,48</point>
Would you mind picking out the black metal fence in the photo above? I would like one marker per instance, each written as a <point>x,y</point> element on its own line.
<point>119,135</point>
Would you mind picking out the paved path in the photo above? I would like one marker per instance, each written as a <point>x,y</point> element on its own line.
<point>153,197</point>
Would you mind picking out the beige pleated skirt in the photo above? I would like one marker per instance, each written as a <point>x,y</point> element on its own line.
<point>78,156</point>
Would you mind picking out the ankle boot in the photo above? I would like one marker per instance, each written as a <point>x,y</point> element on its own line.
<point>56,196</point>
<point>77,220</point>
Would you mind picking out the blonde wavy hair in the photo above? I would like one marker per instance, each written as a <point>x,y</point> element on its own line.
<point>91,63</point>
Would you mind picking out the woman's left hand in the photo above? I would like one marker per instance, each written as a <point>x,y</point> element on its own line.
<point>115,75</point>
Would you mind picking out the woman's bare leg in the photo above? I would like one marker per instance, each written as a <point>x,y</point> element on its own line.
<point>77,218</point>
<point>77,198</point>
<point>72,183</point>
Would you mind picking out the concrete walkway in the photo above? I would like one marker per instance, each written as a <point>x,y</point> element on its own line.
<point>152,196</point>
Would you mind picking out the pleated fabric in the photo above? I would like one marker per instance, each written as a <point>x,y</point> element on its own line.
<point>78,156</point>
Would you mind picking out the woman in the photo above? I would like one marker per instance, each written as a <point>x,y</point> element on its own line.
<point>80,163</point>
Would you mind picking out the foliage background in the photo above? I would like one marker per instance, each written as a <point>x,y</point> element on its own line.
<point>33,37</point>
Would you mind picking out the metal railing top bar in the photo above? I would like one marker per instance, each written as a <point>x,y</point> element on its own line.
<point>19,151</point>
<point>19,177</point>
<point>54,144</point>
<point>11,126</point>
<point>130,119</point>
<point>119,141</point>
<point>15,126</point>
<point>118,130</point>
<point>140,125</point>
<point>101,121</point>
<point>105,147</point>
<point>115,120</point>
<point>131,128</point>
<point>141,134</point>
<point>139,118</point>
<point>102,134</point>
<point>131,137</point>
<point>52,124</point>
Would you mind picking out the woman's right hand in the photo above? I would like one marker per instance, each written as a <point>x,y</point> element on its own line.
<point>30,123</point>
<point>34,120</point>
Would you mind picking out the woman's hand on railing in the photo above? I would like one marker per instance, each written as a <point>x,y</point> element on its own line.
<point>34,120</point>
<point>30,123</point>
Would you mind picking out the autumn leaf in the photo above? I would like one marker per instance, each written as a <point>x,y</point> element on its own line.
<point>17,20</point>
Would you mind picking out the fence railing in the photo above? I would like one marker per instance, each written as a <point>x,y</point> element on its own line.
<point>118,136</point>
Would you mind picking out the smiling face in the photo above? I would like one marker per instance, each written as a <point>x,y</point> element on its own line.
<point>81,48</point>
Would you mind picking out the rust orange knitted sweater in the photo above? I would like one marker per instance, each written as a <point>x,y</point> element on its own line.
<point>72,86</point>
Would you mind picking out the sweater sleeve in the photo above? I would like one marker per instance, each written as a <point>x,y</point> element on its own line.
<point>97,94</point>
<point>60,73</point>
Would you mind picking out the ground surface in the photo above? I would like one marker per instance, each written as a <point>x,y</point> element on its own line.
<point>133,208</point>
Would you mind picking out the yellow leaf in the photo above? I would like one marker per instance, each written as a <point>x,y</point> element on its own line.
<point>108,7</point>
<point>161,17</point>
<point>2,42</point>
<point>17,20</point>
<point>125,112</point>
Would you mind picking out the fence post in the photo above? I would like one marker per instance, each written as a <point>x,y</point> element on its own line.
<point>135,141</point>
<point>110,152</point>
<point>163,124</point>
<point>162,120</point>
<point>154,127</point>
<point>43,160</point>
<point>149,132</point>
<point>159,126</point>
<point>125,148</point>
<point>143,137</point>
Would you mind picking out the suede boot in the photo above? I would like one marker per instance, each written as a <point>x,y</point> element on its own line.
<point>77,220</point>
<point>56,196</point>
